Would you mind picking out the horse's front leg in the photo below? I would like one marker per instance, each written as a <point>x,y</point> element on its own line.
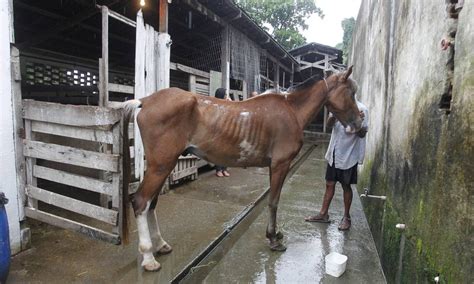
<point>278,174</point>
<point>162,247</point>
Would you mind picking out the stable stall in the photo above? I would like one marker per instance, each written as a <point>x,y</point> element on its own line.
<point>73,60</point>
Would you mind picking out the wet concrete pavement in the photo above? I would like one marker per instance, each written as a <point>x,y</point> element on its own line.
<point>193,215</point>
<point>250,260</point>
<point>190,216</point>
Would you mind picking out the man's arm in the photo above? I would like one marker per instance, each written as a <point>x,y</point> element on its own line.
<point>365,117</point>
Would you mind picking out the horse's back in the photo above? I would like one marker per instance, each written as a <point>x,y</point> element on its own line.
<point>167,107</point>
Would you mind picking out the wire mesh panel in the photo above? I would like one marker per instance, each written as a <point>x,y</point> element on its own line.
<point>245,59</point>
<point>205,54</point>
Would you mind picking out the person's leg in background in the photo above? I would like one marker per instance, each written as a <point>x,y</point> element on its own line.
<point>219,171</point>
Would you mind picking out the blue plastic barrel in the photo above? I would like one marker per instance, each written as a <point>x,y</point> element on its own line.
<point>4,240</point>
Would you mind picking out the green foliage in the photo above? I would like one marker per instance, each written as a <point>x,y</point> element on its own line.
<point>283,18</point>
<point>348,27</point>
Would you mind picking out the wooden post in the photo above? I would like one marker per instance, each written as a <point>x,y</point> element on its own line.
<point>283,83</point>
<point>163,61</point>
<point>30,162</point>
<point>276,78</point>
<point>192,83</point>
<point>267,85</point>
<point>139,92</point>
<point>150,60</point>
<point>117,198</point>
<point>104,86</point>
<point>164,48</point>
<point>104,69</point>
<point>292,74</point>
<point>18,129</point>
<point>163,16</point>
<point>245,93</point>
<point>225,59</point>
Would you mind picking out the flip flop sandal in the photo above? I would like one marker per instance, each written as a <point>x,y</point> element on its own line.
<point>343,226</point>
<point>318,219</point>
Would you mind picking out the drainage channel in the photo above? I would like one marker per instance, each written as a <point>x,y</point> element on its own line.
<point>201,265</point>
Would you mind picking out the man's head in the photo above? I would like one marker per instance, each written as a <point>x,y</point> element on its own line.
<point>220,93</point>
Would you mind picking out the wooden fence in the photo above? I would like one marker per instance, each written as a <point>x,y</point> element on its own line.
<point>87,130</point>
<point>186,167</point>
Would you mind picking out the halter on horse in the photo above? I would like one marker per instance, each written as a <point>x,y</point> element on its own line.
<point>264,131</point>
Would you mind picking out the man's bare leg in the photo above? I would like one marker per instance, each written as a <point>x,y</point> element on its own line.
<point>346,220</point>
<point>323,216</point>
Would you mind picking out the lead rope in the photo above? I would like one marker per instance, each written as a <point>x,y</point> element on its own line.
<point>326,82</point>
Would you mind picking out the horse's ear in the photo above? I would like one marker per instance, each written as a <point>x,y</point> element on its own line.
<point>347,74</point>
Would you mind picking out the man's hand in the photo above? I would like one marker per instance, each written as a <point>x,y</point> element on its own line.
<point>362,132</point>
<point>331,120</point>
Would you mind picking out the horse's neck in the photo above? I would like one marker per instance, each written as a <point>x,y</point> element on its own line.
<point>308,101</point>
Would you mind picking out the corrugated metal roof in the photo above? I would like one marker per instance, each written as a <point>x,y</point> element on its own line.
<point>317,47</point>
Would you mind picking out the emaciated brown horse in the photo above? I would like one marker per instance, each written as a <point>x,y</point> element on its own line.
<point>264,131</point>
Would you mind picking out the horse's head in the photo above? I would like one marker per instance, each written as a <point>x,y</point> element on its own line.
<point>341,100</point>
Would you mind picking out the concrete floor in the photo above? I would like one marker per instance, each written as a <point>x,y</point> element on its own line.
<point>193,215</point>
<point>250,260</point>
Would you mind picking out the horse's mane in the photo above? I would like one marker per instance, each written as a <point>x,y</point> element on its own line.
<point>307,83</point>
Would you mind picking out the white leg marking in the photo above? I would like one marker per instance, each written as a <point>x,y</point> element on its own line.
<point>155,231</point>
<point>145,245</point>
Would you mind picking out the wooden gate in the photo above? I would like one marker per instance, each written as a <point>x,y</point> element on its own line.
<point>64,149</point>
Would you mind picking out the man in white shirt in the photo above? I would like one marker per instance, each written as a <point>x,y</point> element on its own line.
<point>346,150</point>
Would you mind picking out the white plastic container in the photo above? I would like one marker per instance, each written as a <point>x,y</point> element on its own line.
<point>335,264</point>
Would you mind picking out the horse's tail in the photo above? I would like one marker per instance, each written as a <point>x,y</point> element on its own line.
<point>128,108</point>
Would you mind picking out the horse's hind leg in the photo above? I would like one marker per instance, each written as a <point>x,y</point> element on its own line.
<point>162,247</point>
<point>148,190</point>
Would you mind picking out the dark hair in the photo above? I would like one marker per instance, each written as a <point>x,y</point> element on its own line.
<point>220,93</point>
<point>308,82</point>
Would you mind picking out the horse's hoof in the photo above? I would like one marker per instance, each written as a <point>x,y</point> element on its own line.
<point>152,266</point>
<point>279,235</point>
<point>277,247</point>
<point>165,249</point>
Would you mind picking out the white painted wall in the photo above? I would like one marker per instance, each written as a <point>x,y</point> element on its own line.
<point>8,181</point>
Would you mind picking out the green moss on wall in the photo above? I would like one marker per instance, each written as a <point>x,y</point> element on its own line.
<point>430,194</point>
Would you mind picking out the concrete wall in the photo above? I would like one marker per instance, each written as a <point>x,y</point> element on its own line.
<point>8,177</point>
<point>417,155</point>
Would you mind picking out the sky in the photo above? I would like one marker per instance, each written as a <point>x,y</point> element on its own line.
<point>328,31</point>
